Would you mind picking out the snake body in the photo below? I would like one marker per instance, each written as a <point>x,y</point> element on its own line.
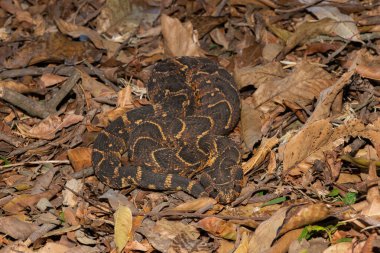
<point>178,142</point>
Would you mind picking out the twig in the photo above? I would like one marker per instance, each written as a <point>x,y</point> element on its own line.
<point>101,76</point>
<point>200,215</point>
<point>30,106</point>
<point>34,145</point>
<point>61,94</point>
<point>299,8</point>
<point>40,232</point>
<point>35,162</point>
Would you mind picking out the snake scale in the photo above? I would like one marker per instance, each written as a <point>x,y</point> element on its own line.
<point>178,142</point>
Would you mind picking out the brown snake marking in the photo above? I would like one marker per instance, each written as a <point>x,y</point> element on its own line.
<point>178,142</point>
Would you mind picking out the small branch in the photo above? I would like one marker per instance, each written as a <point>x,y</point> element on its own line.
<point>33,145</point>
<point>101,76</point>
<point>30,106</point>
<point>35,162</point>
<point>176,214</point>
<point>62,93</point>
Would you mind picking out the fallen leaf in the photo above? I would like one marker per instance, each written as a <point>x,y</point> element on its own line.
<point>80,158</point>
<point>123,227</point>
<point>69,198</point>
<point>219,227</point>
<point>345,27</point>
<point>49,126</point>
<point>196,204</point>
<point>179,39</point>
<point>15,228</point>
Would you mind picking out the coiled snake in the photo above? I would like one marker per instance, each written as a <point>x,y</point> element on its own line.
<point>178,142</point>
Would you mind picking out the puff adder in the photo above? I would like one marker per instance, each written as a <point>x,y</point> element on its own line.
<point>178,142</point>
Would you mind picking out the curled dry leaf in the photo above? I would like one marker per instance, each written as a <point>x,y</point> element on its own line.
<point>123,227</point>
<point>49,126</point>
<point>219,227</point>
<point>299,216</point>
<point>179,39</point>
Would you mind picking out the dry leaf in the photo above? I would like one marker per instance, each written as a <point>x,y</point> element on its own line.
<point>123,227</point>
<point>345,27</point>
<point>48,79</point>
<point>196,204</point>
<point>15,228</point>
<point>96,88</point>
<point>179,39</point>
<point>266,232</point>
<point>310,30</point>
<point>80,158</point>
<point>69,198</point>
<point>120,18</point>
<point>282,244</point>
<point>49,126</point>
<point>219,227</point>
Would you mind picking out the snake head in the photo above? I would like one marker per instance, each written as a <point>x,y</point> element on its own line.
<point>223,185</point>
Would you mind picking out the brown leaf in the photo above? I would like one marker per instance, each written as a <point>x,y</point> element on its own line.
<point>299,216</point>
<point>50,79</point>
<point>308,30</point>
<point>196,204</point>
<point>219,227</point>
<point>345,27</point>
<point>120,18</point>
<point>282,244</point>
<point>326,100</point>
<point>17,229</point>
<point>179,39</point>
<point>19,202</point>
<point>80,158</point>
<point>96,88</point>
<point>266,232</point>
<point>53,47</point>
<point>49,126</point>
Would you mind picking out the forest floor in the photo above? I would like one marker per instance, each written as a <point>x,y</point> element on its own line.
<point>309,129</point>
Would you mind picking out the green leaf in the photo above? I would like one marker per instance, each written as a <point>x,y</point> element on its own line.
<point>5,160</point>
<point>344,239</point>
<point>349,198</point>
<point>334,193</point>
<point>274,201</point>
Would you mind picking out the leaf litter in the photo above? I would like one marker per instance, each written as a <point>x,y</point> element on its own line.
<point>309,133</point>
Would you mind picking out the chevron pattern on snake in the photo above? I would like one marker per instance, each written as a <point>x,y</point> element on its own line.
<point>178,142</point>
